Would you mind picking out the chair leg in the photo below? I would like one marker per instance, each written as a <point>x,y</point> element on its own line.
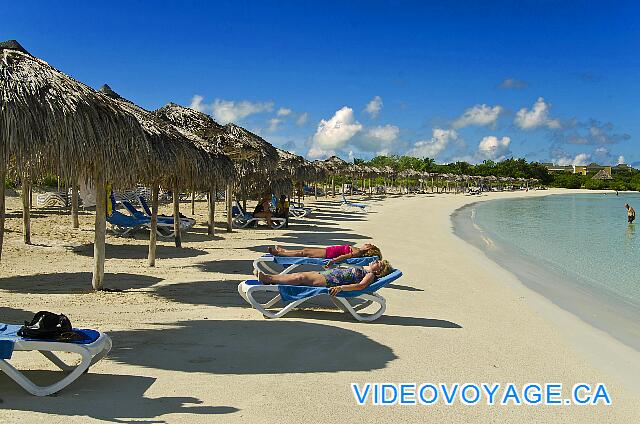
<point>248,296</point>
<point>373,298</point>
<point>36,390</point>
<point>56,360</point>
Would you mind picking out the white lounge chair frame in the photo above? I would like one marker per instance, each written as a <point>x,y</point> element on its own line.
<point>345,204</point>
<point>90,354</point>
<point>240,221</point>
<point>52,199</point>
<point>247,292</point>
<point>297,212</point>
<point>267,265</point>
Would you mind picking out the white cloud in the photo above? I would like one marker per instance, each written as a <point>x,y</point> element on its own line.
<point>538,116</point>
<point>302,119</point>
<point>433,147</point>
<point>494,148</point>
<point>374,106</point>
<point>273,124</point>
<point>579,159</point>
<point>478,115</point>
<point>621,159</point>
<point>513,83</point>
<point>337,131</point>
<point>386,133</point>
<point>196,103</point>
<point>601,151</point>
<point>378,139</point>
<point>227,111</point>
<point>316,152</point>
<point>283,111</point>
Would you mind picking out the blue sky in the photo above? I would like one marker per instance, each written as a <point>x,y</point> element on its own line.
<point>549,81</point>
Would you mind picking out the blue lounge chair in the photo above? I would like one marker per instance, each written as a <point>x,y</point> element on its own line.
<point>93,347</point>
<point>185,223</point>
<point>292,296</point>
<point>270,264</point>
<point>345,204</point>
<point>242,219</point>
<point>124,225</point>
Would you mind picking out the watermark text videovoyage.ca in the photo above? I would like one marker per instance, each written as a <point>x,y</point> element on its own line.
<point>498,394</point>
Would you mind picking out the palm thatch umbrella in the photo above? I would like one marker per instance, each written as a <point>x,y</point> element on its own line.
<point>253,157</point>
<point>178,160</point>
<point>334,166</point>
<point>316,173</point>
<point>297,168</point>
<point>602,175</point>
<point>50,121</point>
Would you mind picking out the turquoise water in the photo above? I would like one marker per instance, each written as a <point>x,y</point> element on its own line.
<point>583,237</point>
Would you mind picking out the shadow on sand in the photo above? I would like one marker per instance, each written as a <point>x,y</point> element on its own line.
<point>227,266</point>
<point>221,293</point>
<point>14,316</point>
<point>403,287</point>
<point>383,320</point>
<point>138,251</point>
<point>249,347</point>
<point>73,282</point>
<point>115,398</point>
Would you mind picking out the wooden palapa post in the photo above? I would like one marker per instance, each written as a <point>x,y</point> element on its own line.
<point>229,202</point>
<point>74,203</point>
<point>176,216</point>
<point>212,211</point>
<point>26,215</point>
<point>3,174</point>
<point>153,233</point>
<point>333,186</point>
<point>100,230</point>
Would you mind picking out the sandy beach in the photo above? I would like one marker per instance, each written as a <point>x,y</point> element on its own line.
<point>187,348</point>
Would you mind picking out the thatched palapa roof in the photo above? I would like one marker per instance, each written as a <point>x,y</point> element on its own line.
<point>236,142</point>
<point>51,122</point>
<point>335,165</point>
<point>602,175</point>
<point>178,157</point>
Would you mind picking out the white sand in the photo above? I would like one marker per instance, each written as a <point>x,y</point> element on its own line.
<point>186,346</point>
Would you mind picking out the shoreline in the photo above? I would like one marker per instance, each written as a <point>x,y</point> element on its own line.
<point>607,316</point>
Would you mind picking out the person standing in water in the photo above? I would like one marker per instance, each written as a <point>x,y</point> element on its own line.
<point>631,213</point>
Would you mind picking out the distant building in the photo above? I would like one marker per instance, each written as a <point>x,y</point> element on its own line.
<point>592,168</point>
<point>558,168</point>
<point>621,167</point>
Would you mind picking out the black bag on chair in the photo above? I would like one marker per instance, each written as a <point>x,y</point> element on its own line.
<point>47,326</point>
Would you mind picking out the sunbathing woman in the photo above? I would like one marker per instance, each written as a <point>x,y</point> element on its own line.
<point>337,279</point>
<point>335,253</point>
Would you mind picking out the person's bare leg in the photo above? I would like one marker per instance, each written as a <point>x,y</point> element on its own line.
<point>283,252</point>
<point>294,279</point>
<point>265,215</point>
<point>269,221</point>
<point>305,252</point>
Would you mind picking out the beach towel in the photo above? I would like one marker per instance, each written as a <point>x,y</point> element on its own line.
<point>292,293</point>
<point>9,335</point>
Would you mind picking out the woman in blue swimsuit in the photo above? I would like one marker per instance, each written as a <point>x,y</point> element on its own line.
<point>337,279</point>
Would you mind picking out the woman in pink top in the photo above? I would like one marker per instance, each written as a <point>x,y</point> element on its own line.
<point>335,253</point>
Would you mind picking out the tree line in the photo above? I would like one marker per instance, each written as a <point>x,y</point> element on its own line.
<point>516,168</point>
